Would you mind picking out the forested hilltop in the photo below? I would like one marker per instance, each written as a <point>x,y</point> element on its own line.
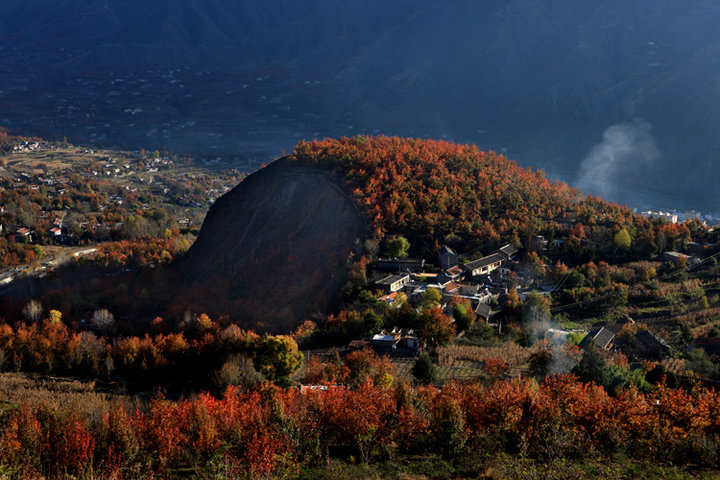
<point>436,190</point>
<point>440,191</point>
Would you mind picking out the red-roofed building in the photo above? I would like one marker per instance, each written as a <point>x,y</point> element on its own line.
<point>452,287</point>
<point>23,234</point>
<point>389,298</point>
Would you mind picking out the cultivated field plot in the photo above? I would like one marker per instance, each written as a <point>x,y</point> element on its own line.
<point>58,158</point>
<point>512,353</point>
<point>36,390</point>
<point>458,370</point>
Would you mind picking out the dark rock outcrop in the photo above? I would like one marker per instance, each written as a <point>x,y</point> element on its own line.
<point>274,250</point>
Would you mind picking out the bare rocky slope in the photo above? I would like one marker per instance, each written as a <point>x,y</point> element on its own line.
<point>274,250</point>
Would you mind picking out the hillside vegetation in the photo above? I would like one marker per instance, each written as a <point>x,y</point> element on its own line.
<point>440,191</point>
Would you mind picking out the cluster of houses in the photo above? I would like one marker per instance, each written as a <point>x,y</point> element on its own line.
<point>52,183</point>
<point>479,281</point>
<point>58,184</point>
<point>671,217</point>
<point>30,146</point>
<point>58,231</point>
<point>111,167</point>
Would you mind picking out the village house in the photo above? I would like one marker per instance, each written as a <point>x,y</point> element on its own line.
<point>24,234</point>
<point>393,283</point>
<point>484,312</point>
<point>469,289</point>
<point>484,265</point>
<point>401,343</point>
<point>474,293</point>
<point>383,342</point>
<point>650,345</point>
<point>677,256</point>
<point>400,264</point>
<point>450,275</point>
<point>452,287</point>
<point>602,337</point>
<point>508,251</point>
<point>447,258</point>
<point>390,298</point>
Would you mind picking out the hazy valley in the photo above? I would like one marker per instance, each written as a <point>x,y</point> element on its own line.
<point>541,81</point>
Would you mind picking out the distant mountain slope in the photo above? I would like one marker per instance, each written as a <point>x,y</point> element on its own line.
<point>68,21</point>
<point>248,33</point>
<point>543,79</point>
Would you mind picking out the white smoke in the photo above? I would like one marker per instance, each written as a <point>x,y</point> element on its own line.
<point>625,150</point>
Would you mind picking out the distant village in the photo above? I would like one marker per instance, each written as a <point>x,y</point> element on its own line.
<point>120,182</point>
<point>675,216</point>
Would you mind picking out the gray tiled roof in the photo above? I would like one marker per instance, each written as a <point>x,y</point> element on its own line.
<point>484,261</point>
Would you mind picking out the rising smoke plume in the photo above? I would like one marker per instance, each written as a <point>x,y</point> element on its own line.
<point>624,152</point>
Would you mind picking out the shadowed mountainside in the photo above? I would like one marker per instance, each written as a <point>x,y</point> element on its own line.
<point>274,249</point>
<point>68,22</point>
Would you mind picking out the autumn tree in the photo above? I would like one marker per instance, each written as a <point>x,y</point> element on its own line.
<point>54,317</point>
<point>464,314</point>
<point>622,240</point>
<point>513,299</point>
<point>238,371</point>
<point>592,366</point>
<point>448,425</point>
<point>536,308</point>
<point>277,357</point>
<point>365,365</point>
<point>398,247</point>
<point>431,298</point>
<point>436,328</point>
